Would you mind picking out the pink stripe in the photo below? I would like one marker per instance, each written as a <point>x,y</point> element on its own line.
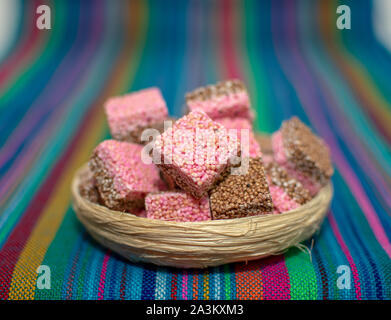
<point>357,148</point>
<point>102,280</point>
<point>345,250</point>
<point>275,279</point>
<point>362,199</point>
<point>228,35</point>
<point>184,285</point>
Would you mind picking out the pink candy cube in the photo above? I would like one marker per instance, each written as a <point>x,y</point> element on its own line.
<point>177,206</point>
<point>224,99</point>
<point>287,193</point>
<point>304,155</point>
<point>123,180</point>
<point>130,114</point>
<point>251,147</point>
<point>195,152</point>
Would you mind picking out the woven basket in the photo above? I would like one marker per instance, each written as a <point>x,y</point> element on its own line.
<point>199,244</point>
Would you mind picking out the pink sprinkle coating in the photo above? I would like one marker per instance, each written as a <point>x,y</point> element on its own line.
<point>121,175</point>
<point>278,148</point>
<point>254,150</point>
<point>128,113</point>
<point>267,158</point>
<point>281,200</point>
<point>287,193</point>
<point>235,123</point>
<point>232,105</point>
<point>195,151</point>
<point>177,206</point>
<point>280,157</point>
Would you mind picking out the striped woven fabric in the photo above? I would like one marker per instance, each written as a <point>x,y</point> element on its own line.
<point>295,61</point>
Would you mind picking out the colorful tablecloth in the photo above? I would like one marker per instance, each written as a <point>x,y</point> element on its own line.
<point>295,61</point>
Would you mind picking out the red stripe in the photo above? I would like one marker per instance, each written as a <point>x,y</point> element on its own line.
<point>102,281</point>
<point>174,287</point>
<point>325,281</point>
<point>123,283</point>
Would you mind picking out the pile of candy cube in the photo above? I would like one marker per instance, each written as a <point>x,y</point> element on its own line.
<point>207,165</point>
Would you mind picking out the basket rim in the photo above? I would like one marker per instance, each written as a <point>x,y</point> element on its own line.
<point>120,215</point>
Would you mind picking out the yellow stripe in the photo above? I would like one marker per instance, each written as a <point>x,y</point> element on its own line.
<point>24,276</point>
<point>206,285</point>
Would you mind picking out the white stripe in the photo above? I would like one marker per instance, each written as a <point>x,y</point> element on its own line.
<point>217,283</point>
<point>160,284</point>
<point>9,20</point>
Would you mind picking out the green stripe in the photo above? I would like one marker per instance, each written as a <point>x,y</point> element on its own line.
<point>227,277</point>
<point>254,69</point>
<point>302,277</point>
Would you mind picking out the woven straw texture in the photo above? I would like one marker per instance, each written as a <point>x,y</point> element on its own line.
<point>199,244</point>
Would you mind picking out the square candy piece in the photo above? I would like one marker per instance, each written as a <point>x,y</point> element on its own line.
<point>287,193</point>
<point>121,176</point>
<point>242,195</point>
<point>88,188</point>
<point>195,152</point>
<point>177,206</point>
<point>252,145</point>
<point>303,154</point>
<point>130,114</point>
<point>224,99</point>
